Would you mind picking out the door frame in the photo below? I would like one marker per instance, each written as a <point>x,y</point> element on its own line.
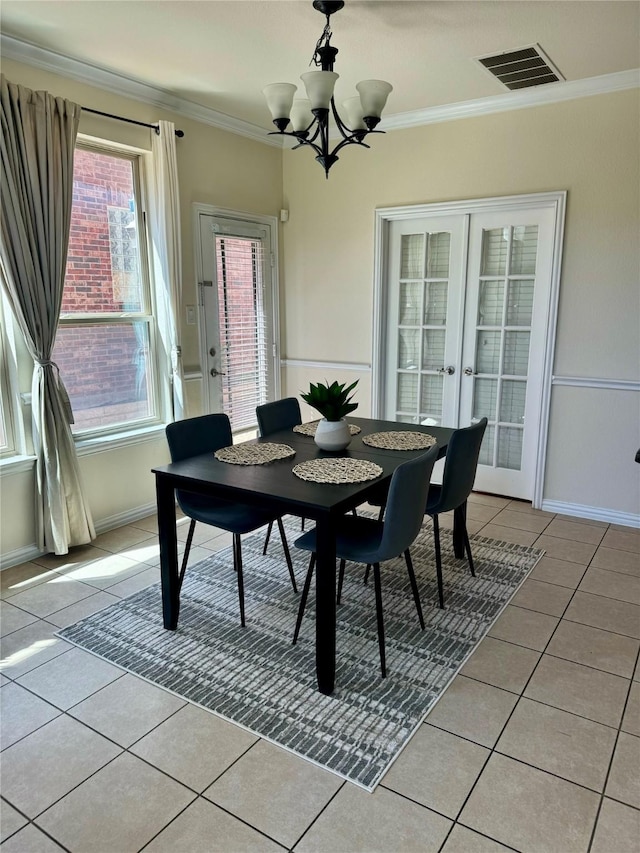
<point>199,209</point>
<point>557,201</point>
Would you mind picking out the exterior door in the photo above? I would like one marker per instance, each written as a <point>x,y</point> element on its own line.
<point>237,317</point>
<point>465,302</point>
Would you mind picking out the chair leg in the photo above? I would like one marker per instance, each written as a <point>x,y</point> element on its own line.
<point>287,555</point>
<point>465,538</point>
<point>340,580</point>
<point>237,562</point>
<point>366,573</point>
<point>436,539</point>
<point>303,598</point>
<point>302,524</point>
<point>376,578</point>
<point>381,513</point>
<point>414,587</point>
<point>267,537</point>
<point>187,548</point>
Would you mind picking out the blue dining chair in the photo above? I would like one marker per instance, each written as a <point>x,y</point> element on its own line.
<point>278,415</point>
<point>206,434</point>
<point>275,417</point>
<point>371,541</point>
<point>460,465</point>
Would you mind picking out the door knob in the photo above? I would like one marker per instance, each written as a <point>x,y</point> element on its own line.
<point>215,372</point>
<point>469,371</point>
<point>450,369</point>
<point>212,351</point>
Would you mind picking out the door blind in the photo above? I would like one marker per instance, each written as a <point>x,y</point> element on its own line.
<point>243,332</point>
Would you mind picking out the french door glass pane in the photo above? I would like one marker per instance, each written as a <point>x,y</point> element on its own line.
<point>486,449</point>
<point>410,293</point>
<point>431,397</point>
<point>407,397</point>
<point>485,398</point>
<point>524,248</point>
<point>520,302</point>
<point>408,348</point>
<point>106,370</point>
<point>516,353</point>
<point>512,399</point>
<point>433,349</point>
<point>435,303</point>
<point>510,447</point>
<point>412,256</point>
<point>438,255</point>
<point>490,302</point>
<point>495,244</point>
<point>488,352</point>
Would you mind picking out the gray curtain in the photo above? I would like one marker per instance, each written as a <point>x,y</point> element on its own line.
<point>36,186</point>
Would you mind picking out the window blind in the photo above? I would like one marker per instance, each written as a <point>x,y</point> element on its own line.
<point>243,332</point>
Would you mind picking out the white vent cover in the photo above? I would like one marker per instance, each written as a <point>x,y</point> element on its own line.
<point>521,68</point>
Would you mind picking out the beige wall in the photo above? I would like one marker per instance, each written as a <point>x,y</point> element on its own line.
<point>215,167</point>
<point>588,147</point>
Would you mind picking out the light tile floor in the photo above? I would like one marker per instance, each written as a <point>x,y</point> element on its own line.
<point>534,747</point>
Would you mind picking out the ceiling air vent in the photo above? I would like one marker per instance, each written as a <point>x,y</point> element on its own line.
<point>521,68</point>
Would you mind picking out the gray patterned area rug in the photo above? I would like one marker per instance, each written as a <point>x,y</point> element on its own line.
<point>256,678</point>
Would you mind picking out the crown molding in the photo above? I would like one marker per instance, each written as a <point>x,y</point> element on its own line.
<point>30,54</point>
<point>551,93</point>
<point>84,72</point>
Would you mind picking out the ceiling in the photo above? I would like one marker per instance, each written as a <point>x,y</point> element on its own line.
<point>219,54</point>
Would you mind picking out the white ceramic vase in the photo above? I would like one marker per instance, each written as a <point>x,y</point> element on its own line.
<point>332,435</point>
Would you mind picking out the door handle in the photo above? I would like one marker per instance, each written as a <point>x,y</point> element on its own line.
<point>449,370</point>
<point>215,372</point>
<point>469,371</point>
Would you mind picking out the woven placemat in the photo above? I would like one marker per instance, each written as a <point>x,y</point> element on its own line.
<point>254,454</point>
<point>399,440</point>
<point>310,428</point>
<point>340,470</point>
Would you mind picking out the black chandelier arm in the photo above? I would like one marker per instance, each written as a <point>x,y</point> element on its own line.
<point>350,140</point>
<point>299,139</point>
<point>342,127</point>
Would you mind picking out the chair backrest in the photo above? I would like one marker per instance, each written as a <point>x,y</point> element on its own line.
<point>460,465</point>
<point>405,504</point>
<point>195,436</point>
<point>281,414</point>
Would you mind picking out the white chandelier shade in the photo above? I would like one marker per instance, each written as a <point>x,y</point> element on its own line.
<point>373,96</point>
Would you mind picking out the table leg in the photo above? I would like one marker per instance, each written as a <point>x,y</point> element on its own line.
<point>459,523</point>
<point>325,605</point>
<point>165,498</point>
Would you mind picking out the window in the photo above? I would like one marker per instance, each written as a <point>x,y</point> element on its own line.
<point>7,442</point>
<point>105,342</point>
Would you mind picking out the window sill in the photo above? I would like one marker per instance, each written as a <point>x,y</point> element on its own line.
<point>16,464</point>
<point>100,444</point>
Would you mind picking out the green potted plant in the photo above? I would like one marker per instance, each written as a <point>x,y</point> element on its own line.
<point>334,403</point>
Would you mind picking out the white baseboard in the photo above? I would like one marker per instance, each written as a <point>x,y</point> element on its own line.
<point>30,552</point>
<point>596,513</point>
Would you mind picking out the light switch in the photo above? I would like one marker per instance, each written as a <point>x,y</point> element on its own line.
<point>191,315</point>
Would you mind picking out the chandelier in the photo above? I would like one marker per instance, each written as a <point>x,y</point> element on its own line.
<point>309,116</point>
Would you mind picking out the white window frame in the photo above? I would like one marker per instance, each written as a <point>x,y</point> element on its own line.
<point>159,391</point>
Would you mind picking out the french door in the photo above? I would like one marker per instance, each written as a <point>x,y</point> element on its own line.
<point>238,316</point>
<point>468,329</point>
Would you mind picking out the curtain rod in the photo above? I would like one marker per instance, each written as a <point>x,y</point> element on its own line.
<point>179,133</point>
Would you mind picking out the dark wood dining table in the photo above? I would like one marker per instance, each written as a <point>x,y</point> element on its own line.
<point>274,485</point>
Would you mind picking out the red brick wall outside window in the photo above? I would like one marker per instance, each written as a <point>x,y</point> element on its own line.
<point>105,366</point>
